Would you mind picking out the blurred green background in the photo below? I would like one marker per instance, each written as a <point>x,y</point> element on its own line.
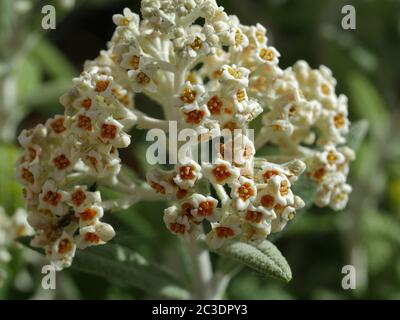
<point>319,242</point>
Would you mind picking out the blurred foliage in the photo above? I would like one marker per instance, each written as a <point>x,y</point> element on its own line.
<point>319,242</point>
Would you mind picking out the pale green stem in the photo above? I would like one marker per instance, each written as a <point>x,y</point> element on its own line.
<point>202,270</point>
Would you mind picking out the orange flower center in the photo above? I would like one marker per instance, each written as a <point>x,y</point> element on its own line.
<point>270,173</point>
<point>197,44</point>
<point>134,62</point>
<point>108,131</point>
<point>214,105</point>
<point>224,232</point>
<point>31,154</point>
<point>221,173</point>
<point>58,125</point>
<point>319,174</point>
<point>187,172</point>
<point>267,201</point>
<point>78,197</point>
<point>158,187</point>
<point>64,246</point>
<point>254,216</point>
<point>61,162</point>
<point>143,78</point>
<point>267,54</point>
<point>194,116</point>
<point>206,208</point>
<point>102,85</point>
<point>52,197</point>
<point>177,228</point>
<point>245,191</point>
<point>325,89</point>
<point>85,123</point>
<point>241,95</point>
<point>88,214</point>
<point>86,103</point>
<point>92,237</point>
<point>339,120</point>
<point>28,176</point>
<point>188,96</point>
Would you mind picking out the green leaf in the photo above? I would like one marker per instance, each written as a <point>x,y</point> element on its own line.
<point>357,134</point>
<point>6,18</point>
<point>381,224</point>
<point>264,258</point>
<point>367,102</point>
<point>53,60</point>
<point>124,267</point>
<point>46,97</point>
<point>10,189</point>
<point>29,76</point>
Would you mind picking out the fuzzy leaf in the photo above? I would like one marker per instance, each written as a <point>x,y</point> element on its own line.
<point>10,189</point>
<point>357,133</point>
<point>305,188</point>
<point>53,60</point>
<point>264,258</point>
<point>368,104</point>
<point>124,267</point>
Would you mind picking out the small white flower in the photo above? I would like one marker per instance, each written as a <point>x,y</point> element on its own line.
<point>176,222</point>
<point>259,216</point>
<point>228,228</point>
<point>128,19</point>
<point>221,172</point>
<point>93,235</point>
<point>267,55</point>
<point>244,191</point>
<point>61,252</point>
<point>188,173</point>
<point>53,199</point>
<point>235,75</point>
<point>201,207</point>
<point>238,40</point>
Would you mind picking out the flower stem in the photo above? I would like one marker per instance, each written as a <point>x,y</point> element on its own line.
<point>202,270</point>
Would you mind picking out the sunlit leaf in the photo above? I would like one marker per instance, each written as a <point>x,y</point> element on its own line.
<point>366,101</point>
<point>358,132</point>
<point>53,60</point>
<point>124,267</point>
<point>10,189</point>
<point>264,258</point>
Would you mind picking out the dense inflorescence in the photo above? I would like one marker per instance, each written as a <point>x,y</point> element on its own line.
<point>211,74</point>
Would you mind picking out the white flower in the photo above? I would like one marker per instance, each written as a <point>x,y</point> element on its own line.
<point>188,173</point>
<point>128,19</point>
<point>141,80</point>
<point>228,228</point>
<point>176,222</point>
<point>238,40</point>
<point>133,59</point>
<point>244,191</point>
<point>202,207</point>
<point>235,75</point>
<point>61,252</point>
<point>53,199</point>
<point>94,235</point>
<point>267,55</point>
<point>111,131</point>
<point>220,172</point>
<point>191,96</point>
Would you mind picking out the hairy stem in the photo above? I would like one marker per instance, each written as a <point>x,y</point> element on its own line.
<point>202,270</point>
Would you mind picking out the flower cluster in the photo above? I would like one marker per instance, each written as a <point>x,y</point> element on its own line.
<point>63,156</point>
<point>214,77</point>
